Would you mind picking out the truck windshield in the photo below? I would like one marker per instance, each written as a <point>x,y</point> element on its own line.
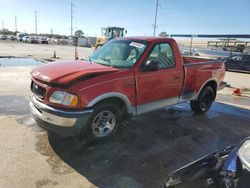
<point>119,53</point>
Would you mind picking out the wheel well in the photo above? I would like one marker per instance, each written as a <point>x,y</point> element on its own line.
<point>212,84</point>
<point>117,101</point>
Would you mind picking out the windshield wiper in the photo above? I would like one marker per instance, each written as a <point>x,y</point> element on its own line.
<point>107,60</point>
<point>89,59</point>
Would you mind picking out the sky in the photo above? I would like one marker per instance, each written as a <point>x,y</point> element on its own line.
<point>136,16</point>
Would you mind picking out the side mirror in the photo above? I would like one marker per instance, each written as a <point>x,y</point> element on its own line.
<point>152,65</point>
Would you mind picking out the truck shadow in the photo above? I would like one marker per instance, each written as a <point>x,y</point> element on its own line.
<point>153,145</point>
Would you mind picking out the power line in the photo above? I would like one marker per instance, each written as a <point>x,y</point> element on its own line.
<point>156,12</point>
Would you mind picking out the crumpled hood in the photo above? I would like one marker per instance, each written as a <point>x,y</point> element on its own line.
<point>65,72</point>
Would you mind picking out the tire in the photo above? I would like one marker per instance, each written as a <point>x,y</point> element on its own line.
<point>204,101</point>
<point>103,122</point>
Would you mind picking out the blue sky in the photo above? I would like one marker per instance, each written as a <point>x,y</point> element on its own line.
<point>137,16</point>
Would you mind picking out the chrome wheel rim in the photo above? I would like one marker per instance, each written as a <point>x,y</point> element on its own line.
<point>103,123</point>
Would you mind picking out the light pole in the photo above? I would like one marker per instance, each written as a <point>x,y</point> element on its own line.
<point>71,18</point>
<point>36,22</point>
<point>15,24</point>
<point>156,12</point>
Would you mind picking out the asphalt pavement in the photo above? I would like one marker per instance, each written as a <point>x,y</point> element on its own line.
<point>140,155</point>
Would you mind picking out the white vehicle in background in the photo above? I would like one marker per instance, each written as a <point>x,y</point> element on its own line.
<point>3,37</point>
<point>12,37</point>
<point>32,40</point>
<point>43,40</point>
<point>25,38</point>
<point>19,36</point>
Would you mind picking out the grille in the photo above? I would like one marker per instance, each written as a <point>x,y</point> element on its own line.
<point>38,90</point>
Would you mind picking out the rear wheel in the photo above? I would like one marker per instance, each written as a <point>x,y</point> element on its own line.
<point>204,101</point>
<point>103,122</point>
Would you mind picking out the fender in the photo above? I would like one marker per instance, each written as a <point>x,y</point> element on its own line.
<point>121,96</point>
<point>198,93</point>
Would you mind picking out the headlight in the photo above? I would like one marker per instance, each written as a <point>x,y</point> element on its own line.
<point>64,98</point>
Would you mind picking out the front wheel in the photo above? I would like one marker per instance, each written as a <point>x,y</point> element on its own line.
<point>204,101</point>
<point>104,121</point>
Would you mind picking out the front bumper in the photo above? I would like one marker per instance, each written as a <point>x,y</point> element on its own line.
<point>60,122</point>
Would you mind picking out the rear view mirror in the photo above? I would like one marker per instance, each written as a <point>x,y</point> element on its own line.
<point>152,65</point>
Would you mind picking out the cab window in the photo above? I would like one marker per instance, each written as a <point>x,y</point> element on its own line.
<point>163,53</point>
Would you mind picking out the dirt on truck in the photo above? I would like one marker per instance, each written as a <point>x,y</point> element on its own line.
<point>126,77</point>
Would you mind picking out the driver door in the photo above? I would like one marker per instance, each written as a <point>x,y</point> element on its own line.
<point>162,87</point>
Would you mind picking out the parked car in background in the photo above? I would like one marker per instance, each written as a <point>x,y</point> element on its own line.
<point>12,37</point>
<point>32,40</point>
<point>19,36</point>
<point>43,40</point>
<point>3,37</point>
<point>187,52</point>
<point>238,63</point>
<point>55,40</point>
<point>25,38</point>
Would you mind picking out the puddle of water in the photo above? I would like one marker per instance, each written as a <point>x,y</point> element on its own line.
<point>7,62</point>
<point>56,164</point>
<point>45,183</point>
<point>14,105</point>
<point>43,147</point>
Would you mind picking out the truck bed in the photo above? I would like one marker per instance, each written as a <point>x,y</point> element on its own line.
<point>198,71</point>
<point>192,60</point>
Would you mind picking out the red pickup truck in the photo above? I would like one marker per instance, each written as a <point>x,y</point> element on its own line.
<point>127,76</point>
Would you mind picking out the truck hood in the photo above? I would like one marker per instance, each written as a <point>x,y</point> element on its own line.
<point>66,72</point>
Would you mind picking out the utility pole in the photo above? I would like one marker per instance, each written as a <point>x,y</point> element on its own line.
<point>15,24</point>
<point>2,24</point>
<point>71,18</point>
<point>156,12</point>
<point>36,22</point>
<point>191,45</point>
